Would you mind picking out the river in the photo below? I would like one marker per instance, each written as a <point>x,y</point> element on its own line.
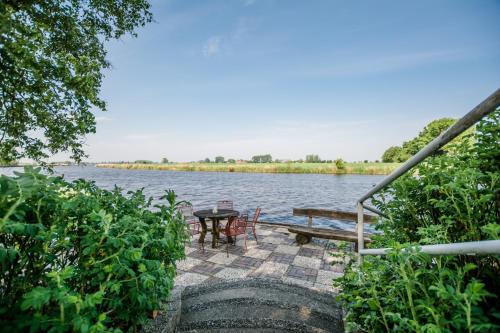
<point>276,194</point>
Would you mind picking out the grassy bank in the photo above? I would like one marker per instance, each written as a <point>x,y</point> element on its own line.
<point>322,168</point>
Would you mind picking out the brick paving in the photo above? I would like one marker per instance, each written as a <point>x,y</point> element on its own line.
<point>275,255</point>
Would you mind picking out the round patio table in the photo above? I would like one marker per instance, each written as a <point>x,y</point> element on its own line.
<point>215,217</point>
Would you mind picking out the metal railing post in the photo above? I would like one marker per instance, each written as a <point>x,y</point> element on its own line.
<point>360,229</point>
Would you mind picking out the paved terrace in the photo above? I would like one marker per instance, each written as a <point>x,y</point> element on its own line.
<point>276,255</point>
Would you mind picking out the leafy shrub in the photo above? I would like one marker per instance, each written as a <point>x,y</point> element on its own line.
<point>339,163</point>
<point>449,198</point>
<point>395,154</point>
<point>75,257</point>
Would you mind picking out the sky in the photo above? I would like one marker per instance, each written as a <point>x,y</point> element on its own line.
<point>341,79</point>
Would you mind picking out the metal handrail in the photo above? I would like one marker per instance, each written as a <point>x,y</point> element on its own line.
<point>470,248</point>
<point>486,107</point>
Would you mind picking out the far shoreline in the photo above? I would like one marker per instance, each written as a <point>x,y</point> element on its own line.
<point>359,168</point>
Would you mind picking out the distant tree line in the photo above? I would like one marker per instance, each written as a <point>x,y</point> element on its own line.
<point>410,148</point>
<point>267,158</point>
<point>313,159</point>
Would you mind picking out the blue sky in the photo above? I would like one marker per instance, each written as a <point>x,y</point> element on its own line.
<point>335,78</point>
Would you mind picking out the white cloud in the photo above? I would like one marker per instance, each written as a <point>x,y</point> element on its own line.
<point>226,41</point>
<point>248,2</point>
<point>212,46</point>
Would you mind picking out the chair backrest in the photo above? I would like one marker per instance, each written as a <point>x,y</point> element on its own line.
<point>225,204</point>
<point>239,224</point>
<point>256,216</point>
<point>186,209</point>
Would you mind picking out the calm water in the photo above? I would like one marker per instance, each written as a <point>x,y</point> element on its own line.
<point>276,194</point>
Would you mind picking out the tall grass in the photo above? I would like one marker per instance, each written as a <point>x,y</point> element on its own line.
<point>321,168</point>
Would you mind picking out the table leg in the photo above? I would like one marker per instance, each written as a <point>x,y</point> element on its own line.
<point>203,230</point>
<point>215,232</point>
<point>229,221</point>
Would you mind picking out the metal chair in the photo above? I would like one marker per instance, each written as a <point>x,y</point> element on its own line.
<point>236,227</point>
<point>255,218</point>
<point>186,209</point>
<point>225,204</point>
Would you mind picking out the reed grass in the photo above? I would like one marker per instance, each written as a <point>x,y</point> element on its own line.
<point>316,168</point>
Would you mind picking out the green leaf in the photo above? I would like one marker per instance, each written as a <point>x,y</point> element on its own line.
<point>36,299</point>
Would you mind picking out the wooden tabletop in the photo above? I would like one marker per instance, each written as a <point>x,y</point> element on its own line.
<point>221,213</point>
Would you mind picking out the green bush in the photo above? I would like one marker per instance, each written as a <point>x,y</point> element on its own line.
<point>339,163</point>
<point>449,198</point>
<point>75,257</point>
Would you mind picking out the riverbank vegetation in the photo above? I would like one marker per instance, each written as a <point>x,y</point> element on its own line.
<point>336,167</point>
<point>449,198</point>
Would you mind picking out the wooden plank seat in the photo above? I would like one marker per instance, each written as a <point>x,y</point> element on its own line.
<point>304,234</point>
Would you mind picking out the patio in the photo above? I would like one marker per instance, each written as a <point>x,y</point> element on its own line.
<point>276,255</point>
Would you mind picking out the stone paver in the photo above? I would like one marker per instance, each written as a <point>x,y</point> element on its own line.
<point>188,263</point>
<point>326,277</point>
<point>302,273</point>
<point>207,267</point>
<point>261,232</point>
<point>251,244</point>
<point>275,255</point>
<point>203,255</point>
<point>188,279</point>
<point>257,253</point>
<point>288,249</point>
<point>311,253</point>
<point>274,240</point>
<point>307,262</point>
<point>247,263</point>
<point>271,270</point>
<point>235,249</point>
<point>223,258</point>
<point>232,273</point>
<point>282,258</point>
<point>267,246</point>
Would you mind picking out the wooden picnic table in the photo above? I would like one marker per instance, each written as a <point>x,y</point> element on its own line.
<point>215,217</point>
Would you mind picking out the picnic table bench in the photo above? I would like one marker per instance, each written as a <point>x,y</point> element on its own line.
<point>304,234</point>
